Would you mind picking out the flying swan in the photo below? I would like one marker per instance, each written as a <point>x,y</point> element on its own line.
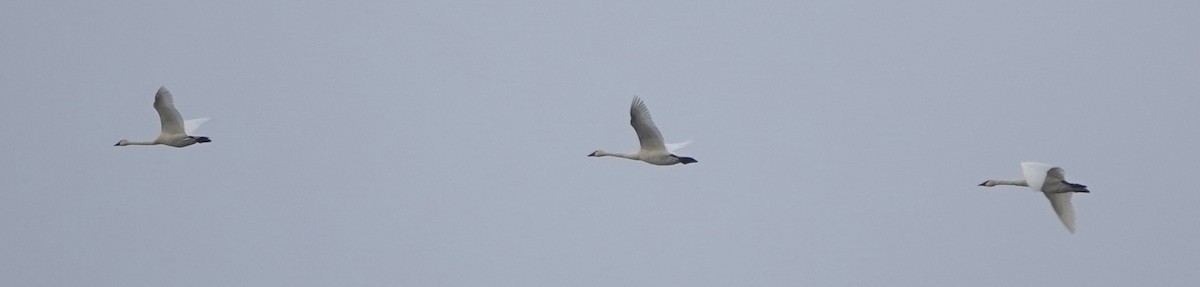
<point>653,150</point>
<point>1049,180</point>
<point>174,130</point>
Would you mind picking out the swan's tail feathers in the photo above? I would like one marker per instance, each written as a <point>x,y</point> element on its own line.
<point>685,160</point>
<point>202,139</point>
<point>1075,187</point>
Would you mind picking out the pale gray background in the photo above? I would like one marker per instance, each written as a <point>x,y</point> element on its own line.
<point>443,143</point>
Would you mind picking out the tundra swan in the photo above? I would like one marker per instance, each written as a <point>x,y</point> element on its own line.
<point>653,150</point>
<point>174,129</point>
<point>1049,180</point>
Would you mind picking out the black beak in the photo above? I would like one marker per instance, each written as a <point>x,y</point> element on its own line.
<point>593,154</point>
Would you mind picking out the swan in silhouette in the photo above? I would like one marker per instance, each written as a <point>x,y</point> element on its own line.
<point>653,150</point>
<point>1050,180</point>
<point>174,129</point>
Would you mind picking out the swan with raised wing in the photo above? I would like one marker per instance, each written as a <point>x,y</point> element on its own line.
<point>175,131</point>
<point>653,150</point>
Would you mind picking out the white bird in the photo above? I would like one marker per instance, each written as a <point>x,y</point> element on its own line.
<point>653,150</point>
<point>174,129</point>
<point>1049,180</point>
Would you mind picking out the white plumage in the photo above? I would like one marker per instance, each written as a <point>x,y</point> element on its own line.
<point>175,131</point>
<point>1051,181</point>
<point>653,150</point>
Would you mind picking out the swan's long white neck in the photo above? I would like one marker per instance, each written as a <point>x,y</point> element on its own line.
<point>1019,182</point>
<point>129,142</point>
<point>621,155</point>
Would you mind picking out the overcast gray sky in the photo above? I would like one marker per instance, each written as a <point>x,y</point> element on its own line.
<point>443,143</point>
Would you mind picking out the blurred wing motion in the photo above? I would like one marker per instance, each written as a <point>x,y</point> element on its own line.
<point>1062,206</point>
<point>1035,174</point>
<point>190,126</point>
<point>672,147</point>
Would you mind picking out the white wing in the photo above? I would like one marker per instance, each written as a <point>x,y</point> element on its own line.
<point>647,133</point>
<point>1062,206</point>
<point>672,147</point>
<point>164,103</point>
<point>1035,174</point>
<point>190,126</point>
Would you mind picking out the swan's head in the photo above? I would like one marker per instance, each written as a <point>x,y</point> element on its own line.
<point>122,143</point>
<point>988,183</point>
<point>598,153</point>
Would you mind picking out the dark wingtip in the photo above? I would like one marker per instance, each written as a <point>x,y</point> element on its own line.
<point>202,139</point>
<point>983,184</point>
<point>117,144</point>
<point>592,154</point>
<point>686,160</point>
